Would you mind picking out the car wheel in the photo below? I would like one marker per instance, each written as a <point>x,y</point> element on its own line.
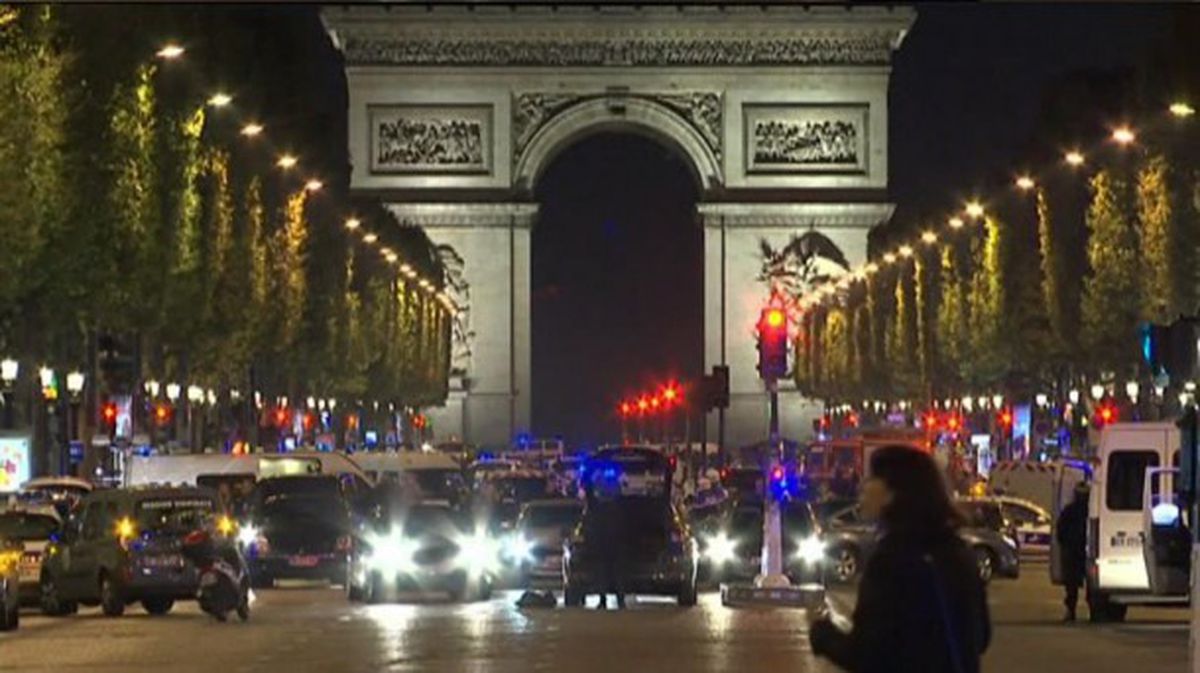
<point>158,606</point>
<point>572,598</point>
<point>1102,610</point>
<point>112,603</point>
<point>52,603</point>
<point>687,595</point>
<point>845,564</point>
<point>985,564</point>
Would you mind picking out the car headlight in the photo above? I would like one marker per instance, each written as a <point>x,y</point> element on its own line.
<point>247,535</point>
<point>391,554</point>
<point>518,549</point>
<point>720,548</point>
<point>478,554</point>
<point>811,550</point>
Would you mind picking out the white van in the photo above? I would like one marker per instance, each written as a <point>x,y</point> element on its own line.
<point>433,475</point>
<point>1134,476</point>
<point>186,468</point>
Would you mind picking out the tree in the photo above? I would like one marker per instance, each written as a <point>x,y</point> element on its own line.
<point>927,296</point>
<point>953,331</point>
<point>1167,237</point>
<point>985,302</point>
<point>1112,291</point>
<point>902,335</point>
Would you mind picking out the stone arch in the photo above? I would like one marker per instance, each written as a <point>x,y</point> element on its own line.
<point>629,114</point>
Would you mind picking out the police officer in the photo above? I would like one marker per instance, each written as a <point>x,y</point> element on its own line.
<point>605,522</point>
<point>1071,534</point>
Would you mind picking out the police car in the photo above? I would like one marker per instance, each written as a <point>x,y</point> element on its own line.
<point>28,530</point>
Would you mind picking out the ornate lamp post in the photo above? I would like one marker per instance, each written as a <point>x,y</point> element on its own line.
<point>10,369</point>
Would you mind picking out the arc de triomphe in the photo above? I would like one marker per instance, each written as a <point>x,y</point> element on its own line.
<point>454,113</point>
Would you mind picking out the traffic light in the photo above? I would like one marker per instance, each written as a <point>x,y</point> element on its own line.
<point>162,413</point>
<point>773,343</point>
<point>109,412</point>
<point>715,388</point>
<point>1105,415</point>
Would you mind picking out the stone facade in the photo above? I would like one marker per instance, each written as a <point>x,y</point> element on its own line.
<point>455,112</point>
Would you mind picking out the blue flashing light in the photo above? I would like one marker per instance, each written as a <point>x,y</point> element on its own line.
<point>486,456</point>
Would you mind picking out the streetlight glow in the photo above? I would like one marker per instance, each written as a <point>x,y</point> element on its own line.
<point>1025,183</point>
<point>250,130</point>
<point>1123,135</point>
<point>956,223</point>
<point>173,390</point>
<point>889,257</point>
<point>9,369</point>
<point>1074,158</point>
<point>1181,109</point>
<point>286,161</point>
<point>370,238</point>
<point>391,257</point>
<point>974,209</point>
<point>220,99</point>
<point>929,237</point>
<point>870,268</point>
<point>75,381</point>
<point>905,251</point>
<point>170,52</point>
<point>313,185</point>
<point>353,223</point>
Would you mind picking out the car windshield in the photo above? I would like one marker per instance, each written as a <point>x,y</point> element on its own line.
<point>552,515</point>
<point>182,513</point>
<point>984,515</point>
<point>431,520</point>
<point>26,526</point>
<point>520,489</point>
<point>437,483</point>
<point>303,507</point>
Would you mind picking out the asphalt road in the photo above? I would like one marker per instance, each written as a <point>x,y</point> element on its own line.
<point>307,628</point>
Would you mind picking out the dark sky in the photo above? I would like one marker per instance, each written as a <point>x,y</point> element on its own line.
<point>617,255</point>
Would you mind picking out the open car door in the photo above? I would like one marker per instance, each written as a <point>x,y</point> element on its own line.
<point>1166,544</point>
<point>1070,475</point>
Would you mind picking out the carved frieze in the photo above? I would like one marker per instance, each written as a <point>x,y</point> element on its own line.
<point>430,138</point>
<point>410,50</point>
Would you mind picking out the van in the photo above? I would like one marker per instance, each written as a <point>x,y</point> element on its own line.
<point>429,474</point>
<point>1135,474</point>
<point>188,468</point>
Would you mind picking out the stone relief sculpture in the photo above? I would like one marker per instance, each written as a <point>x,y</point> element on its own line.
<point>808,260</point>
<point>532,110</point>
<point>462,335</point>
<point>429,139</point>
<point>799,142</point>
<point>871,49</point>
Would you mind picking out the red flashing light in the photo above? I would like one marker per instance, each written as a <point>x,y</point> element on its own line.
<point>824,421</point>
<point>1107,414</point>
<point>162,413</point>
<point>655,403</point>
<point>670,393</point>
<point>110,413</point>
<point>775,318</point>
<point>1005,418</point>
<point>281,417</point>
<point>625,409</point>
<point>952,423</point>
<point>930,419</point>
<point>777,473</point>
<point>643,404</point>
<point>852,420</point>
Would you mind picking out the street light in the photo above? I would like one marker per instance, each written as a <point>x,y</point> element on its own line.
<point>889,257</point>
<point>151,387</point>
<point>220,99</point>
<point>1132,389</point>
<point>1182,110</point>
<point>195,394</point>
<point>1074,158</point>
<point>956,223</point>
<point>1073,396</point>
<point>286,161</point>
<point>1025,183</point>
<point>929,237</point>
<point>313,185</point>
<point>1123,135</point>
<point>1097,392</point>
<point>250,130</point>
<point>1041,399</point>
<point>353,223</point>
<point>905,251</point>
<point>173,391</point>
<point>974,209</point>
<point>370,238</point>
<point>46,377</point>
<point>170,52</point>
<point>75,382</point>
<point>997,401</point>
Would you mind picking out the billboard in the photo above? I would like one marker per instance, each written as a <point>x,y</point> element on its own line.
<point>16,461</point>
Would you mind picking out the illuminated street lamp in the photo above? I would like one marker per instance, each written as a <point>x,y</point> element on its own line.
<point>220,99</point>
<point>956,223</point>
<point>929,237</point>
<point>370,238</point>
<point>974,210</point>
<point>1025,183</point>
<point>170,52</point>
<point>889,257</point>
<point>173,391</point>
<point>250,130</point>
<point>353,223</point>
<point>313,185</point>
<point>1041,399</point>
<point>9,369</point>
<point>1097,392</point>
<point>1073,396</point>
<point>1074,158</point>
<point>1182,110</point>
<point>151,387</point>
<point>1123,135</point>
<point>75,381</point>
<point>286,161</point>
<point>905,251</point>
<point>195,394</point>
<point>1132,389</point>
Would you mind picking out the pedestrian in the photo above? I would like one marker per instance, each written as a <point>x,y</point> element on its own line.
<point>1070,531</point>
<point>921,605</point>
<point>604,522</point>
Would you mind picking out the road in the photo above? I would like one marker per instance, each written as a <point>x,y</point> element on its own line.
<point>298,629</point>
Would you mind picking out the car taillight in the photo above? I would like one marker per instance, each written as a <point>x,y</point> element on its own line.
<point>344,543</point>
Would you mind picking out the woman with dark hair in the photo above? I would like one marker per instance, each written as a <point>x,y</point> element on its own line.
<point>921,605</point>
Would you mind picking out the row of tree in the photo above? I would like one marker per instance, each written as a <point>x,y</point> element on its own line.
<point>136,217</point>
<point>1044,291</point>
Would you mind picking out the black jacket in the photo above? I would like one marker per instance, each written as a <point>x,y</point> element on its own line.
<point>911,590</point>
<point>1070,532</point>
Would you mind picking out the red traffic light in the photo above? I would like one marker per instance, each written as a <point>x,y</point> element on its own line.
<point>775,317</point>
<point>1005,418</point>
<point>1107,414</point>
<point>110,413</point>
<point>952,423</point>
<point>162,413</point>
<point>670,394</point>
<point>930,419</point>
<point>643,404</point>
<point>281,417</point>
<point>625,409</point>
<point>773,343</point>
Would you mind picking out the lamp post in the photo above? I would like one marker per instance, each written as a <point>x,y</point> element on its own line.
<point>75,383</point>
<point>195,395</point>
<point>9,370</point>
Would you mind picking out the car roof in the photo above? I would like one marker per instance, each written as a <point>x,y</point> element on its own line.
<point>49,482</point>
<point>148,492</point>
<point>35,510</point>
<point>554,502</point>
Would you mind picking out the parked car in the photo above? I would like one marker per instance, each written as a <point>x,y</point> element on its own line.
<point>29,528</point>
<point>1024,521</point>
<point>124,547</point>
<point>534,548</point>
<point>10,599</point>
<point>299,528</point>
<point>850,540</point>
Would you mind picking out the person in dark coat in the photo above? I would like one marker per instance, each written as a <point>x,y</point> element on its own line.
<point>1070,531</point>
<point>921,605</point>
<point>604,522</point>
